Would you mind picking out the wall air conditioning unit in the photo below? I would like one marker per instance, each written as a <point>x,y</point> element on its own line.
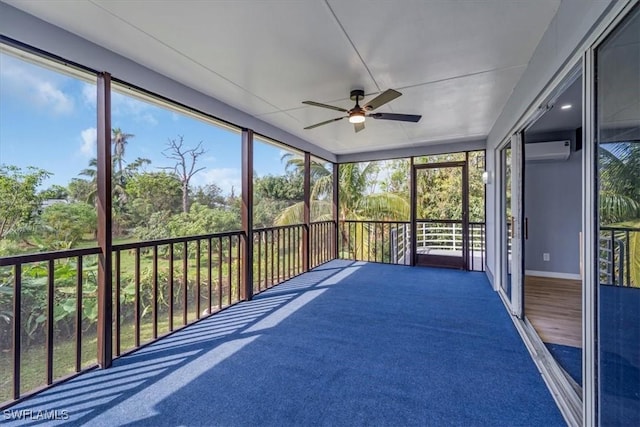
<point>547,151</point>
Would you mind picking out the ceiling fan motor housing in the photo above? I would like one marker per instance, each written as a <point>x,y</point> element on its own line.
<point>357,94</point>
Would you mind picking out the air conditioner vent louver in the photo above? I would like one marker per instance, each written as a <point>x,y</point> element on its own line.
<point>547,151</point>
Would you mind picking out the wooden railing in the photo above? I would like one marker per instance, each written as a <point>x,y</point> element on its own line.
<point>48,301</point>
<point>374,241</point>
<point>278,255</point>
<point>322,246</point>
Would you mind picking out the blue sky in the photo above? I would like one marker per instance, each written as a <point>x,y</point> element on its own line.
<point>48,120</point>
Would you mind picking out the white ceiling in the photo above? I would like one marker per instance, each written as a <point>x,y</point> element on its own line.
<point>456,62</point>
<point>558,119</point>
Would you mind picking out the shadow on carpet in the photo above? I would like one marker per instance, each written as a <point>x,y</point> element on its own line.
<point>346,344</point>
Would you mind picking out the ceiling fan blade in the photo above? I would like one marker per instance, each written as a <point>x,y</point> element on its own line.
<point>399,117</point>
<point>383,98</point>
<point>318,104</point>
<point>358,126</point>
<point>324,123</point>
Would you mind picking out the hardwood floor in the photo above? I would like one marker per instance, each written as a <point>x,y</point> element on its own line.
<point>554,308</point>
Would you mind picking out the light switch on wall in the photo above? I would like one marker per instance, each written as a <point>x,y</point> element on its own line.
<point>546,256</point>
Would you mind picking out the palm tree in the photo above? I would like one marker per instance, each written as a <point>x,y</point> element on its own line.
<point>119,139</point>
<point>619,182</point>
<point>357,201</point>
<point>619,196</point>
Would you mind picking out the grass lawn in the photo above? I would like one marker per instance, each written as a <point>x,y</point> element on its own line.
<point>33,360</point>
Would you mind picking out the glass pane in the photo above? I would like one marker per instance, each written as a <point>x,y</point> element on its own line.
<point>278,185</point>
<point>476,167</point>
<point>175,173</point>
<point>440,158</point>
<point>48,133</point>
<point>439,215</point>
<point>507,220</point>
<point>376,191</point>
<point>618,134</point>
<point>439,194</point>
<point>321,190</point>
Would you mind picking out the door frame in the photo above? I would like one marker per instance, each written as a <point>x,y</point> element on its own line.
<point>514,301</point>
<point>464,264</point>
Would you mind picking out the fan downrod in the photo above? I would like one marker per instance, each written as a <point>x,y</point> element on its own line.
<point>357,94</point>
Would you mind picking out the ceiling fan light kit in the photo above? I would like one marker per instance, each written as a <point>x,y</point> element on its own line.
<point>358,114</point>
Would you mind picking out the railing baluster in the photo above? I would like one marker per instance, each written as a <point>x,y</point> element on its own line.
<point>273,269</point>
<point>219,273</point>
<point>238,272</point>
<point>136,310</point>
<point>289,252</point>
<point>155,291</point>
<point>209,272</point>
<point>49,338</point>
<point>259,281</point>
<point>117,314</point>
<point>229,272</point>
<point>198,279</point>
<point>613,264</point>
<point>79,282</point>
<point>627,257</point>
<point>17,323</point>
<point>171,262</point>
<point>279,251</point>
<point>185,268</point>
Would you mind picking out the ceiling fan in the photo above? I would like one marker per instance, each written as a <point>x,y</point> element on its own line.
<point>358,114</point>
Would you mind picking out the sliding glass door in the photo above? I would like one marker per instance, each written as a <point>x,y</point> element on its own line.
<point>510,223</point>
<point>617,236</point>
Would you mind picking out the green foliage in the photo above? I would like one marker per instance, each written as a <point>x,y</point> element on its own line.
<point>150,192</point>
<point>199,220</point>
<point>619,182</point>
<point>67,223</point>
<point>18,198</point>
<point>209,195</point>
<point>55,192</point>
<point>81,190</point>
<point>282,187</point>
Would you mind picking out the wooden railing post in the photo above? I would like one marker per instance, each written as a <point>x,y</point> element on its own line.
<point>247,214</point>
<point>413,241</point>
<point>105,297</point>
<point>307,212</point>
<point>336,208</point>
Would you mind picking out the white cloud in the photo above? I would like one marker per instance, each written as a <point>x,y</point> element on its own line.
<point>225,178</point>
<point>89,142</point>
<point>38,86</point>
<point>127,106</point>
<point>90,94</point>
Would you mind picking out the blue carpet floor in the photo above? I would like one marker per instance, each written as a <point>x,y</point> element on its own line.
<point>619,336</point>
<point>346,344</point>
<point>570,358</point>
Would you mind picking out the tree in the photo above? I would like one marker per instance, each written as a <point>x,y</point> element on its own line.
<point>619,196</point>
<point>57,192</point>
<point>185,166</point>
<point>151,192</point>
<point>81,190</point>
<point>67,223</point>
<point>619,182</point>
<point>18,196</point>
<point>119,140</point>
<point>359,200</point>
<point>209,195</point>
<point>289,187</point>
